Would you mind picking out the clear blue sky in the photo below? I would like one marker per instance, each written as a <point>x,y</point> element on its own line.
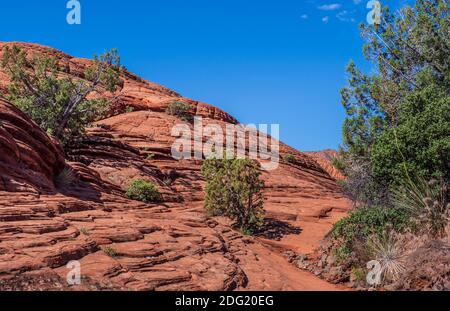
<point>278,61</point>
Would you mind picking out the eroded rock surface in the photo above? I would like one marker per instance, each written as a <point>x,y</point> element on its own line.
<point>124,244</point>
<point>325,159</point>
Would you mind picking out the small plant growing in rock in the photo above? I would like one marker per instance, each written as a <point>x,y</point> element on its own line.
<point>290,158</point>
<point>150,156</point>
<point>84,231</point>
<point>387,250</point>
<point>129,109</point>
<point>65,178</point>
<point>141,190</point>
<point>180,110</point>
<point>111,252</point>
<point>234,189</point>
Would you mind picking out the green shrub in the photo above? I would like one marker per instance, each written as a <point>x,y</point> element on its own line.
<point>359,274</point>
<point>342,253</point>
<point>234,189</point>
<point>59,104</point>
<point>111,252</point>
<point>290,158</point>
<point>84,231</point>
<point>366,221</point>
<point>141,190</point>
<point>420,144</point>
<point>180,110</point>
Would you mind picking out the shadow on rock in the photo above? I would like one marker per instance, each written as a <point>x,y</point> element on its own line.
<point>275,229</point>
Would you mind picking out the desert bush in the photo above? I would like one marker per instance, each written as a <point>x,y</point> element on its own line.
<point>141,190</point>
<point>359,274</point>
<point>180,110</point>
<point>59,104</point>
<point>360,184</point>
<point>84,231</point>
<point>290,158</point>
<point>234,189</point>
<point>364,222</point>
<point>111,252</point>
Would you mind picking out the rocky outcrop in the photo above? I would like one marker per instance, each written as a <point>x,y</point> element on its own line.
<point>122,244</point>
<point>29,158</point>
<point>325,159</point>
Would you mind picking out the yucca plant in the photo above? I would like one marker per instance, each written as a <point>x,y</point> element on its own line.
<point>65,178</point>
<point>388,250</point>
<point>428,203</point>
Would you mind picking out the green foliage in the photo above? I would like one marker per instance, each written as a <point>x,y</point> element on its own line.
<point>129,109</point>
<point>84,231</point>
<point>398,120</point>
<point>58,103</point>
<point>234,189</point>
<point>360,274</point>
<point>141,190</point>
<point>342,253</point>
<point>111,252</point>
<point>150,156</point>
<point>364,222</point>
<point>290,158</point>
<point>420,143</point>
<point>180,110</point>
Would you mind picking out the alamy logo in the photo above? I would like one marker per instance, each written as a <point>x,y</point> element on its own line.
<point>375,272</point>
<point>74,275</point>
<point>374,16</point>
<point>74,15</point>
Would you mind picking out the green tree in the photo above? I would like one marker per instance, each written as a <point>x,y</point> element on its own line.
<point>420,143</point>
<point>57,102</point>
<point>397,117</point>
<point>234,189</point>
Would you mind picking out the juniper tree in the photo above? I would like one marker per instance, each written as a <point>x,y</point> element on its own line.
<point>398,116</point>
<point>60,104</point>
<point>234,189</point>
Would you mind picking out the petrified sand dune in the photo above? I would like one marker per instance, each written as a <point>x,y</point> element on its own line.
<point>325,159</point>
<point>125,244</point>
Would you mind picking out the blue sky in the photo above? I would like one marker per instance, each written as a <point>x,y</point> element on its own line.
<point>278,61</point>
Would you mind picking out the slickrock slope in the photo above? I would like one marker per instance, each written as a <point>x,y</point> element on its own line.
<point>124,244</point>
<point>325,159</point>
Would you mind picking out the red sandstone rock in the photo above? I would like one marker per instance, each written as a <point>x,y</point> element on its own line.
<point>124,244</point>
<point>325,159</point>
<point>29,159</point>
